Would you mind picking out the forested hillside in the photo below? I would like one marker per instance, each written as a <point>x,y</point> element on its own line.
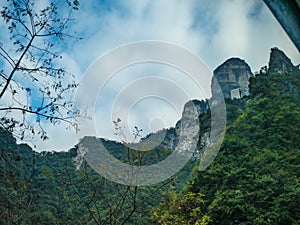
<point>255,177</point>
<point>253,180</point>
<point>46,188</point>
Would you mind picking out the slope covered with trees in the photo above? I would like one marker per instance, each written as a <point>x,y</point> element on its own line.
<point>253,180</point>
<point>255,177</point>
<point>46,187</point>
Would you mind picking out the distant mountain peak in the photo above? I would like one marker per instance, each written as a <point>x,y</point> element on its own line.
<point>232,61</point>
<point>233,78</point>
<point>279,62</point>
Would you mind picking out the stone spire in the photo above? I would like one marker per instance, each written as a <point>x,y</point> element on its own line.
<point>233,77</point>
<point>280,63</point>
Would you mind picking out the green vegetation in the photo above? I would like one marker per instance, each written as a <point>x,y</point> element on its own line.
<point>46,188</point>
<point>183,208</point>
<point>253,180</point>
<point>255,177</point>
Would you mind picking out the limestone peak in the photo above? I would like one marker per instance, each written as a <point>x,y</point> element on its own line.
<point>233,78</point>
<point>279,62</point>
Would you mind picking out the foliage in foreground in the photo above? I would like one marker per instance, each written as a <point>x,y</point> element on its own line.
<point>46,188</point>
<point>184,208</point>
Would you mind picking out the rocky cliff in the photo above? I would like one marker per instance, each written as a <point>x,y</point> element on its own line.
<point>169,138</point>
<point>280,63</point>
<point>233,78</point>
<point>230,80</point>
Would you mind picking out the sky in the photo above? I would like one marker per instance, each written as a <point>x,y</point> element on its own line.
<point>151,95</point>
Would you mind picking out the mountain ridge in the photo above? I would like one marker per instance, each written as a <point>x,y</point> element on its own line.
<point>256,168</point>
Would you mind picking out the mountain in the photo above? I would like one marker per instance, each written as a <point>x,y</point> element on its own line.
<point>46,188</point>
<point>232,78</point>
<point>255,177</point>
<point>280,63</point>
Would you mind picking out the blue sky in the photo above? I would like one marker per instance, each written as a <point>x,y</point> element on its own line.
<point>213,30</point>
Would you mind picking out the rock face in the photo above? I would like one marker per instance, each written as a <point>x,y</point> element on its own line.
<point>233,78</point>
<point>280,63</point>
<point>169,138</point>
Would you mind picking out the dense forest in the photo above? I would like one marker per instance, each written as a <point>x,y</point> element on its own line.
<point>253,180</point>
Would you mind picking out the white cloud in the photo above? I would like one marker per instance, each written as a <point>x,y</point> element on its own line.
<point>245,29</point>
<point>61,138</point>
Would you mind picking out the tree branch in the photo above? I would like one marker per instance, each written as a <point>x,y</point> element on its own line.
<point>65,119</point>
<point>16,67</point>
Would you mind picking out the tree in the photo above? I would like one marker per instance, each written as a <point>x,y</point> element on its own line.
<point>183,208</point>
<point>34,88</point>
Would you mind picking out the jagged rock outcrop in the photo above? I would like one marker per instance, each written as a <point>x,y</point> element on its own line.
<point>233,78</point>
<point>230,80</point>
<point>280,63</point>
<point>169,138</point>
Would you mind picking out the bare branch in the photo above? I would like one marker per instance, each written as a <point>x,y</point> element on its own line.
<point>32,35</point>
<point>15,68</point>
<point>52,117</point>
